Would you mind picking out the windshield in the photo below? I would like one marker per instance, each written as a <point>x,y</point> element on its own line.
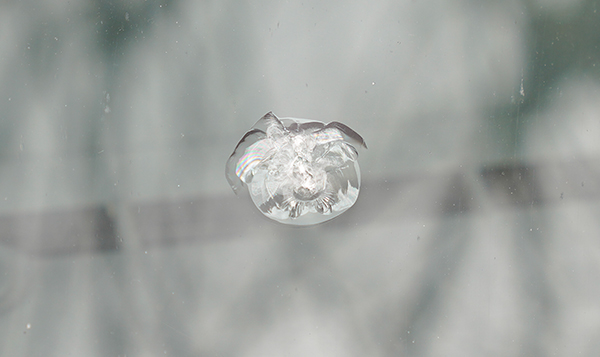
<point>470,228</point>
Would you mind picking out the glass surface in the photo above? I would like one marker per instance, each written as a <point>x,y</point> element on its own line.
<point>475,232</point>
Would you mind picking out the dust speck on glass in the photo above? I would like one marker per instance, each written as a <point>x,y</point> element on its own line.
<point>297,171</point>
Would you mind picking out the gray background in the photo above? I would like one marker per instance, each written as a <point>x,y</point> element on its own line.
<point>476,232</point>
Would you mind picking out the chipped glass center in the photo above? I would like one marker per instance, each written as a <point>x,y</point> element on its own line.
<point>298,171</point>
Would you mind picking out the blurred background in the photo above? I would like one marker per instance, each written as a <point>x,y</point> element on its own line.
<point>477,229</point>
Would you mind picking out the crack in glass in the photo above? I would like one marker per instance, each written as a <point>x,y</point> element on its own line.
<point>297,171</point>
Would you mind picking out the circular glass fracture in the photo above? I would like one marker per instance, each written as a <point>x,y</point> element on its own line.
<point>298,171</point>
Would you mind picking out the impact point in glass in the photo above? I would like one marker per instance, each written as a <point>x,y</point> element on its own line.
<point>298,171</point>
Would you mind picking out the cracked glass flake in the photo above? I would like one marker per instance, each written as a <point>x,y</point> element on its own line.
<point>298,171</point>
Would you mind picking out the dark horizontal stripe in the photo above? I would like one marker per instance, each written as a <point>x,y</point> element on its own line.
<point>210,219</point>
